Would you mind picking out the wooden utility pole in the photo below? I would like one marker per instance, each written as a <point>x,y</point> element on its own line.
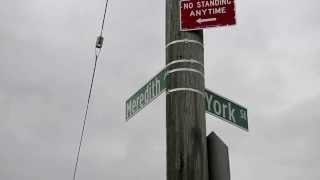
<point>185,119</point>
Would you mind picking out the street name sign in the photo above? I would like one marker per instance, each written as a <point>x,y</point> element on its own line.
<point>225,109</point>
<point>215,104</point>
<point>146,94</point>
<point>200,14</point>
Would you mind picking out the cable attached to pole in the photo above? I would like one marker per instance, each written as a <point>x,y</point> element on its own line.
<point>99,44</point>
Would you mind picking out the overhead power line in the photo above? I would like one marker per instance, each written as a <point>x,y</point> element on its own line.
<point>98,47</point>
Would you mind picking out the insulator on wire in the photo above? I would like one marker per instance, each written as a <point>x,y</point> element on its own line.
<point>99,42</point>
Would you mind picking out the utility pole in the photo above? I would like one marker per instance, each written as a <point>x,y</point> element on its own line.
<point>186,98</point>
<point>185,103</point>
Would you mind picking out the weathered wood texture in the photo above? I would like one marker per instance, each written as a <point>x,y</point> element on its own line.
<point>186,128</point>
<point>218,158</point>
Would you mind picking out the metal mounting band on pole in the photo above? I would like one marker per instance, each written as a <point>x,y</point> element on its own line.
<point>184,41</point>
<point>184,69</point>
<point>186,89</point>
<point>184,61</point>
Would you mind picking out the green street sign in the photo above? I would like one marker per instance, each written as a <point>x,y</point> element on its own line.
<point>146,94</point>
<point>225,109</point>
<point>216,105</point>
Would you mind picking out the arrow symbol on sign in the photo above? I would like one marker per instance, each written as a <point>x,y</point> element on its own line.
<point>205,20</point>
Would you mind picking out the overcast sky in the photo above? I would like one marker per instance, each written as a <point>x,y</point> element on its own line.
<point>269,62</point>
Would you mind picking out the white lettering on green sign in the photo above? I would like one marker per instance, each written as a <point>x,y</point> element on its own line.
<point>146,94</point>
<point>215,104</point>
<point>226,109</point>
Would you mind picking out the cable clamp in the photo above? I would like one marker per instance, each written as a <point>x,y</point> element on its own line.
<point>192,61</point>
<point>99,42</point>
<point>184,69</point>
<point>184,41</point>
<point>185,89</point>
